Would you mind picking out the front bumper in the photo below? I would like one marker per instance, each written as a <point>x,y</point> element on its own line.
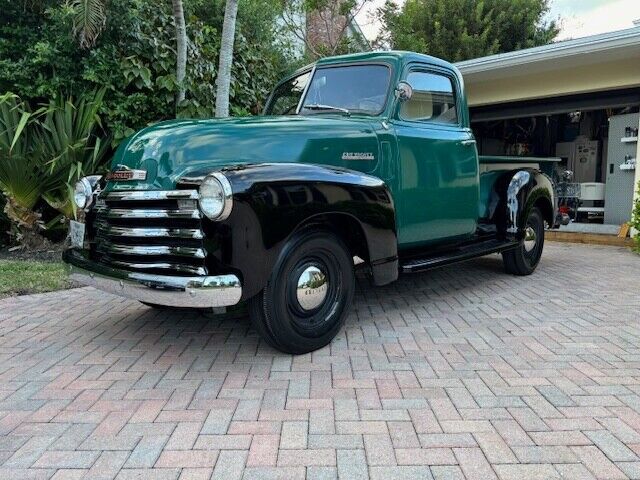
<point>174,291</point>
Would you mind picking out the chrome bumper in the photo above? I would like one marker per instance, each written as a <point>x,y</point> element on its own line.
<point>174,291</point>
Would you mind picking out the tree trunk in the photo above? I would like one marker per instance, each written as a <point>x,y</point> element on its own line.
<point>226,58</point>
<point>181,48</point>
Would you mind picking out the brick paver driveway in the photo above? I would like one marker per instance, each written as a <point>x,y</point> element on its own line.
<point>462,372</point>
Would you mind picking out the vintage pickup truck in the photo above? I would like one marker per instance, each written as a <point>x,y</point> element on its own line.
<point>365,158</point>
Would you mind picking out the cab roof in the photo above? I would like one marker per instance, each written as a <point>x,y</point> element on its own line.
<point>398,57</point>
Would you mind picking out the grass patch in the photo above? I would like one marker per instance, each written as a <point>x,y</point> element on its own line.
<point>23,277</point>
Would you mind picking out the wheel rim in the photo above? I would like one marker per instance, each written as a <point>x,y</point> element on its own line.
<point>313,293</point>
<point>530,239</point>
<point>311,289</point>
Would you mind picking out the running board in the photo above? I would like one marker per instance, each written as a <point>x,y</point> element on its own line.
<point>454,256</point>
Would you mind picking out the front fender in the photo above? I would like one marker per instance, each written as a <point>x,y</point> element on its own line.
<point>271,201</point>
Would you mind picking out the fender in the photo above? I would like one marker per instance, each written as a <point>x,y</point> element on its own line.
<point>513,196</point>
<point>272,201</point>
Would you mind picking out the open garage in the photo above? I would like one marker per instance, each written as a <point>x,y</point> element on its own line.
<point>576,100</point>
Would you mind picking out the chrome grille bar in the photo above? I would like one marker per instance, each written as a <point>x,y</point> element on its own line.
<point>153,213</point>
<point>152,195</point>
<point>152,232</point>
<point>174,267</point>
<point>191,252</point>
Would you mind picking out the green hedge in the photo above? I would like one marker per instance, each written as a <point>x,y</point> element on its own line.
<point>134,58</point>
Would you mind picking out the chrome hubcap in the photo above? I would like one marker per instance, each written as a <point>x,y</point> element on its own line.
<point>312,288</point>
<point>529,239</point>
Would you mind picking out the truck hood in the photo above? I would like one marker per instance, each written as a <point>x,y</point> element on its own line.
<point>170,150</point>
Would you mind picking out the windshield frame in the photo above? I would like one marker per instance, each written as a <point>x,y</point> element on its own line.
<point>298,73</point>
<point>317,67</point>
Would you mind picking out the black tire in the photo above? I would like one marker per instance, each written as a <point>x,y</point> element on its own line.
<point>524,259</point>
<point>277,312</point>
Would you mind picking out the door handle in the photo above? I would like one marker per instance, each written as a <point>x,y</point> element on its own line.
<point>467,142</point>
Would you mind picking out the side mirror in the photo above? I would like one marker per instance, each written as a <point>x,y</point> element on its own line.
<point>404,91</point>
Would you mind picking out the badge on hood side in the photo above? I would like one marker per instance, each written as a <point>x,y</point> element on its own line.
<point>358,156</point>
<point>122,173</point>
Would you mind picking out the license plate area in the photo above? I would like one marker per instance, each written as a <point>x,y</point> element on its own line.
<point>76,234</point>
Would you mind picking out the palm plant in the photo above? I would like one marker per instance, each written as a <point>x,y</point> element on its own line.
<point>72,144</point>
<point>21,169</point>
<point>43,153</point>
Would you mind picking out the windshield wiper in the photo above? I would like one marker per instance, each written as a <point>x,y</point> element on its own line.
<point>320,106</point>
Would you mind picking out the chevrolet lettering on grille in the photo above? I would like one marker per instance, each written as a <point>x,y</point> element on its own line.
<point>123,175</point>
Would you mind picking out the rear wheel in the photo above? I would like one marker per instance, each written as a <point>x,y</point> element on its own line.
<point>524,259</point>
<point>308,295</point>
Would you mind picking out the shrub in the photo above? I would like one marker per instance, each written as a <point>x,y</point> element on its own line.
<point>43,153</point>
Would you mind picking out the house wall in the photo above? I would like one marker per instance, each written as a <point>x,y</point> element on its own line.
<point>322,31</point>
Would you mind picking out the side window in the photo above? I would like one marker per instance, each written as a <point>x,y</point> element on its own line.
<point>433,99</point>
<point>287,95</point>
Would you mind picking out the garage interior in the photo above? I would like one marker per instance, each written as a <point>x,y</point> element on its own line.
<point>597,143</point>
<point>576,100</point>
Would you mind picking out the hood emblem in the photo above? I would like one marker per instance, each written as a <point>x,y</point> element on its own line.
<point>122,173</point>
<point>358,156</point>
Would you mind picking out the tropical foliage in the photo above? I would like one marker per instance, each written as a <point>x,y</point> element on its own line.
<point>462,29</point>
<point>91,72</point>
<point>89,20</point>
<point>133,56</point>
<point>43,153</point>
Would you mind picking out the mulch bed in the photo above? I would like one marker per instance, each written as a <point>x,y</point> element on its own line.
<point>51,253</point>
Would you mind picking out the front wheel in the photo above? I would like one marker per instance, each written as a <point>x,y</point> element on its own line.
<point>308,295</point>
<point>524,259</point>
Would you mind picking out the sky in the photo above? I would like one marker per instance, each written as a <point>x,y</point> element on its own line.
<point>580,18</point>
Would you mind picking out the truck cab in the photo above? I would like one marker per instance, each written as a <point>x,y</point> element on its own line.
<point>368,157</point>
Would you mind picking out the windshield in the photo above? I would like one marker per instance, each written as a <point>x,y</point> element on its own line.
<point>352,88</point>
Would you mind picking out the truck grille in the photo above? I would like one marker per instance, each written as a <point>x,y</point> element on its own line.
<point>150,231</point>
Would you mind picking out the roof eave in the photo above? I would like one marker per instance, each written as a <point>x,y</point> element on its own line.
<point>579,46</point>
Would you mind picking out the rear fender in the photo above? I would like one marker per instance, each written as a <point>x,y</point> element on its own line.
<point>513,196</point>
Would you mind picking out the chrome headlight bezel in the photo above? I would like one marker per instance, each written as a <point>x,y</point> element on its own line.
<point>83,193</point>
<point>215,187</point>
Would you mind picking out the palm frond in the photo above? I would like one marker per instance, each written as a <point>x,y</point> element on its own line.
<point>20,166</point>
<point>73,144</point>
<point>88,21</point>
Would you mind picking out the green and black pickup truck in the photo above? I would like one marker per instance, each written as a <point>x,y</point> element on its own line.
<point>365,158</point>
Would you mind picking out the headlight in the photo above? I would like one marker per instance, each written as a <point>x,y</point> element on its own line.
<point>215,196</point>
<point>83,193</point>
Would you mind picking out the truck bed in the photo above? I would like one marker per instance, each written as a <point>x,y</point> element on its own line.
<point>500,162</point>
